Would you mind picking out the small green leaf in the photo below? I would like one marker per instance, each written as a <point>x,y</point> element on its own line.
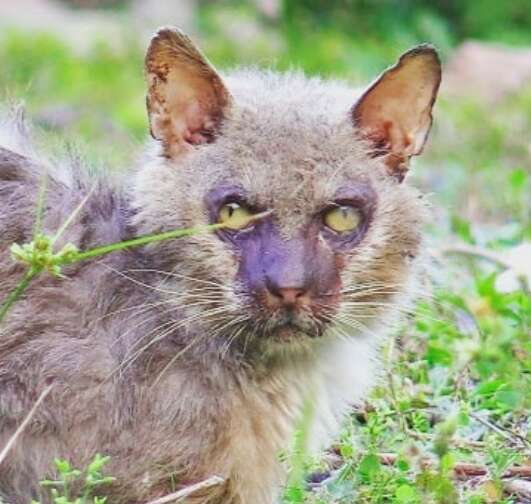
<point>518,178</point>
<point>447,462</point>
<point>369,466</point>
<point>402,464</point>
<point>462,228</point>
<point>406,494</point>
<point>63,466</point>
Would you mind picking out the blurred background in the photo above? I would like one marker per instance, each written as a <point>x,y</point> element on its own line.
<point>77,65</point>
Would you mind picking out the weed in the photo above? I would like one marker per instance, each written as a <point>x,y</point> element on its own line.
<point>88,481</point>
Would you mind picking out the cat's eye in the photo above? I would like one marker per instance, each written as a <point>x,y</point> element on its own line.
<point>234,216</point>
<point>343,219</point>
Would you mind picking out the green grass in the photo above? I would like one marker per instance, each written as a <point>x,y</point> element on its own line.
<point>456,390</point>
<point>95,99</point>
<point>75,486</point>
<point>458,379</point>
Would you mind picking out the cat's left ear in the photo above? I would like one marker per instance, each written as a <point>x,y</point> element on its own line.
<point>186,98</point>
<point>394,113</point>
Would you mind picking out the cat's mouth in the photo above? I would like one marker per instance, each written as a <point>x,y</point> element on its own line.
<point>287,332</point>
<point>288,325</point>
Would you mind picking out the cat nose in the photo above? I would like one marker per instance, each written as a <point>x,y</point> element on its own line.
<point>288,296</point>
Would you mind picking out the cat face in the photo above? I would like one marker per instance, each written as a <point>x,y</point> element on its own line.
<point>334,245</point>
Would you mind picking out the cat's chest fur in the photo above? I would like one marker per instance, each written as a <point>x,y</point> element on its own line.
<point>239,428</point>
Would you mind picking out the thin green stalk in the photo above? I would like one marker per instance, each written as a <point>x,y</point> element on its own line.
<point>73,215</point>
<point>141,240</point>
<point>30,274</point>
<point>39,254</point>
<point>296,487</point>
<point>59,259</point>
<point>145,240</point>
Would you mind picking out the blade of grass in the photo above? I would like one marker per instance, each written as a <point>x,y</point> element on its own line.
<point>73,215</point>
<point>24,424</point>
<point>141,240</point>
<point>147,239</point>
<point>296,484</point>
<point>30,274</point>
<point>39,209</point>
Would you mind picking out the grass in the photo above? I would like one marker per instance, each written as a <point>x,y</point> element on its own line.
<point>92,478</point>
<point>456,391</point>
<point>457,381</point>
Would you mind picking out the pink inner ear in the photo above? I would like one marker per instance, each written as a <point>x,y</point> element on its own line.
<point>196,124</point>
<point>395,112</point>
<point>195,138</point>
<point>186,97</point>
<point>379,134</point>
<point>391,142</point>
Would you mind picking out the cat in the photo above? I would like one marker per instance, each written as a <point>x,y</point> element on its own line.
<point>196,357</point>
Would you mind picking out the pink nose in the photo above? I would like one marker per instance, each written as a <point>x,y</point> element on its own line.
<point>289,297</point>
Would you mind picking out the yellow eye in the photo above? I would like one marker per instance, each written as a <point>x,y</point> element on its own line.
<point>343,219</point>
<point>234,216</point>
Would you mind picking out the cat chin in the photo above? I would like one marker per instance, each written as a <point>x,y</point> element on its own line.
<point>287,333</point>
<point>290,343</point>
<point>281,349</point>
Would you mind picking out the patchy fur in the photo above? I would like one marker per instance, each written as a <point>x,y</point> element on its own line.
<point>134,345</point>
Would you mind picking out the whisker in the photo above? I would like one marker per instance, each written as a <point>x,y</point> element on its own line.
<point>181,275</point>
<point>173,326</point>
<point>140,306</point>
<point>138,282</point>
<point>231,338</point>
<point>180,353</point>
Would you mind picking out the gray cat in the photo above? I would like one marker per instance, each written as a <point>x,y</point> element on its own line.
<point>195,357</point>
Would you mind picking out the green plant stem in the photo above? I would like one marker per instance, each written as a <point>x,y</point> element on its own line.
<point>145,240</point>
<point>136,242</point>
<point>73,215</point>
<point>30,274</point>
<point>33,270</point>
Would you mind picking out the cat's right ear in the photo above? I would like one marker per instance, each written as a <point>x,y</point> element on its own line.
<point>394,113</point>
<point>186,98</point>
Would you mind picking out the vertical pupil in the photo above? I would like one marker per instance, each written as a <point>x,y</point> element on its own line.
<point>231,210</point>
<point>344,211</point>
